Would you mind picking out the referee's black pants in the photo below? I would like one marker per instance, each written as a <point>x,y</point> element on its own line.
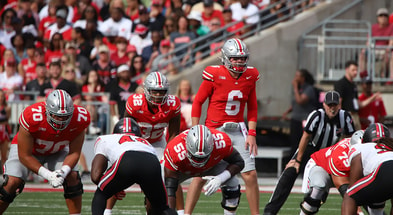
<point>134,167</point>
<point>285,183</point>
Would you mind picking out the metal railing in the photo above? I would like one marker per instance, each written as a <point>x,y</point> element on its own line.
<point>201,45</point>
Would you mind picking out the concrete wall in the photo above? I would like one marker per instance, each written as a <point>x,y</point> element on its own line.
<point>275,53</point>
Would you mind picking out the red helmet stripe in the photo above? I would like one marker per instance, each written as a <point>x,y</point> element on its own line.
<point>127,125</point>
<point>159,79</point>
<point>379,130</point>
<point>62,101</point>
<point>239,44</point>
<point>201,139</point>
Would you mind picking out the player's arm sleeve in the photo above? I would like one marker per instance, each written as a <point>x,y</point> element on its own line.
<point>235,161</point>
<point>75,149</point>
<point>252,106</point>
<point>203,93</point>
<point>169,162</point>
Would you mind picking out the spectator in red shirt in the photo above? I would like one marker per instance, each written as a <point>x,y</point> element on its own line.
<point>48,20</point>
<point>120,55</point>
<point>209,13</point>
<point>132,9</point>
<point>373,112</point>
<point>26,67</point>
<point>55,49</point>
<point>235,29</point>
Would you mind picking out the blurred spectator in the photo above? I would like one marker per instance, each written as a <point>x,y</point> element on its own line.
<point>83,46</point>
<point>60,26</point>
<point>245,10</point>
<point>88,14</point>
<point>375,111</point>
<point>36,84</point>
<point>79,61</point>
<point>7,54</point>
<point>104,66</point>
<point>98,41</point>
<point>57,3</point>
<point>121,89</point>
<point>162,62</point>
<point>120,55</point>
<point>131,52</point>
<point>209,13</point>
<point>169,27</point>
<point>279,10</point>
<point>157,18</point>
<point>5,129</point>
<point>180,37</point>
<point>57,82</point>
<point>26,67</point>
<point>47,20</point>
<point>132,9</point>
<point>215,45</point>
<point>69,72</point>
<point>137,69</point>
<point>152,49</point>
<point>236,28</point>
<point>184,92</point>
<point>261,4</point>
<point>93,84</point>
<point>10,80</point>
<point>116,24</point>
<point>55,49</point>
<point>25,12</point>
<point>91,31</point>
<point>18,47</point>
<point>141,38</point>
<point>302,104</point>
<point>380,29</point>
<point>6,28</point>
<point>195,23</point>
<point>104,12</point>
<point>81,6</point>
<point>175,5</point>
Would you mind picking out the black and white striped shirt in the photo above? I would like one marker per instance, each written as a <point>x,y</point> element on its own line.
<point>326,132</point>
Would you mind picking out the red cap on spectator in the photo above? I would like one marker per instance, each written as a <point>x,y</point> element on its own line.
<point>131,48</point>
<point>156,2</point>
<point>10,62</point>
<point>165,43</point>
<point>140,29</point>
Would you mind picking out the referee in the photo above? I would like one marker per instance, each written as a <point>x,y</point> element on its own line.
<point>324,127</point>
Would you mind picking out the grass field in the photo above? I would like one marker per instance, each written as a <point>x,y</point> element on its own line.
<point>36,203</point>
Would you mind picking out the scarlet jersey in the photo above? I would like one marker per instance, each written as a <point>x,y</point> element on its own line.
<point>334,159</point>
<point>113,146</point>
<point>227,96</point>
<point>175,153</point>
<point>152,124</point>
<point>46,139</point>
<point>372,111</point>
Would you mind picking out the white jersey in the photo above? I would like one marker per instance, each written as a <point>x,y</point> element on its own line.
<point>372,156</point>
<point>112,146</point>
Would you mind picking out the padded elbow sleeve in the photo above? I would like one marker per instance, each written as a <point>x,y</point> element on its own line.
<point>171,185</point>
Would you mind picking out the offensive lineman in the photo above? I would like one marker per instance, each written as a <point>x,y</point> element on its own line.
<point>50,132</point>
<point>199,151</point>
<point>229,88</point>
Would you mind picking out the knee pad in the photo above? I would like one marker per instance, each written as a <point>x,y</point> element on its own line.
<point>230,197</point>
<point>311,205</point>
<point>8,197</point>
<point>73,191</point>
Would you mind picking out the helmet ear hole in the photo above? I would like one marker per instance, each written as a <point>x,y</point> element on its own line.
<point>59,109</point>
<point>156,87</point>
<point>199,145</point>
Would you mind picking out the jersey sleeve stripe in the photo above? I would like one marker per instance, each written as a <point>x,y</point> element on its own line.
<point>207,76</point>
<point>169,159</point>
<point>23,122</point>
<point>334,169</point>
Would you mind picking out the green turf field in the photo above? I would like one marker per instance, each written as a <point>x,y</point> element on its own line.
<point>36,203</point>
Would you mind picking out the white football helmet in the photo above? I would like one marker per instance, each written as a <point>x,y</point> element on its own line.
<point>59,109</point>
<point>158,82</point>
<point>234,48</point>
<point>199,145</point>
<point>357,137</point>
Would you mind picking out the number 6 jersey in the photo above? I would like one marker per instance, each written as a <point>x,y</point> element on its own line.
<point>227,96</point>
<point>175,153</point>
<point>46,139</point>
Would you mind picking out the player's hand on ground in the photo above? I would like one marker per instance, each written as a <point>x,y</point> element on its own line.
<point>120,195</point>
<point>212,185</point>
<point>56,179</point>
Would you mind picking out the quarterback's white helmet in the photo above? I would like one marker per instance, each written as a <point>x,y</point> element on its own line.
<point>234,48</point>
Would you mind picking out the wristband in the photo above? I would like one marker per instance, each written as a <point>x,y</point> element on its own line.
<point>66,170</point>
<point>297,161</point>
<point>44,172</point>
<point>224,176</point>
<point>252,132</point>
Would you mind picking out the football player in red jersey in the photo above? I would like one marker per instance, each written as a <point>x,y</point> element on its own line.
<point>229,88</point>
<point>51,133</point>
<point>201,151</point>
<point>328,167</point>
<point>154,111</point>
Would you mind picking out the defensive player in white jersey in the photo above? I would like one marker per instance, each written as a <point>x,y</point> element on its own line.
<point>51,133</point>
<point>131,159</point>
<point>370,178</point>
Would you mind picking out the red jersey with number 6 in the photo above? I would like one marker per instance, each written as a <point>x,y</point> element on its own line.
<point>334,159</point>
<point>152,124</point>
<point>227,96</point>
<point>176,160</point>
<point>46,139</point>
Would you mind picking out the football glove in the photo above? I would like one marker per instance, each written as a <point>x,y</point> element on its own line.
<point>213,183</point>
<point>56,179</point>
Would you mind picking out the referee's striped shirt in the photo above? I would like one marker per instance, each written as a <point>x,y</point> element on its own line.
<point>326,132</point>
